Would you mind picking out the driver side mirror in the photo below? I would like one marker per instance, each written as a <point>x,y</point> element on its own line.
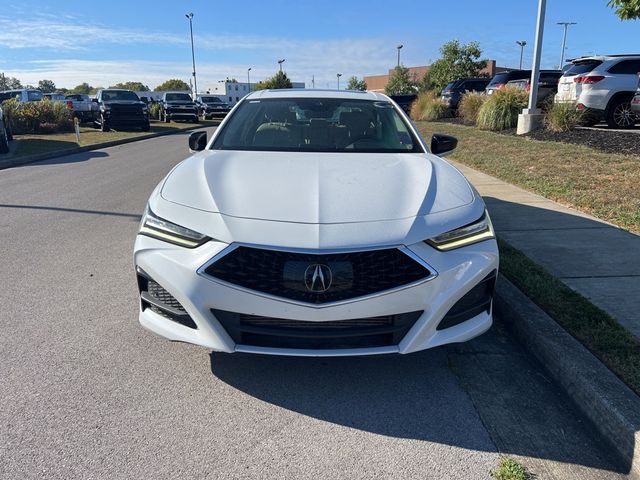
<point>443,144</point>
<point>197,141</point>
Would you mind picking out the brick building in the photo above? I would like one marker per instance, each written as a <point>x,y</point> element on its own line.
<point>377,83</point>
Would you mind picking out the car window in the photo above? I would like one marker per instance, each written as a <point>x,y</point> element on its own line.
<point>449,86</point>
<point>111,95</point>
<point>34,95</point>
<point>631,67</point>
<point>500,78</point>
<point>178,97</point>
<point>210,100</point>
<point>318,125</point>
<point>579,68</point>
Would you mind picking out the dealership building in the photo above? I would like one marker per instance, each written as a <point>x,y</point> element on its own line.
<point>376,83</point>
<point>231,91</point>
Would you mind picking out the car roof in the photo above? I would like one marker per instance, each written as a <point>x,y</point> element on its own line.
<point>317,93</point>
<point>604,58</point>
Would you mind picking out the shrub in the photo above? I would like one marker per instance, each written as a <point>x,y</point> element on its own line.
<point>9,108</point>
<point>562,117</point>
<point>500,111</point>
<point>469,106</point>
<point>38,117</point>
<point>429,107</point>
<point>154,111</point>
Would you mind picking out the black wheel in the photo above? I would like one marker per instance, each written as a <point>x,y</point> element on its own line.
<point>104,126</point>
<point>195,119</point>
<point>146,128</point>
<point>620,114</point>
<point>9,133</point>
<point>4,141</point>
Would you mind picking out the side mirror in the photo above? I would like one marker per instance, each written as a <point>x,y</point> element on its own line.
<point>443,144</point>
<point>94,100</point>
<point>197,141</point>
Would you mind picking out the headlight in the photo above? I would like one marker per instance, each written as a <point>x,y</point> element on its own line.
<point>475,232</point>
<point>156,227</point>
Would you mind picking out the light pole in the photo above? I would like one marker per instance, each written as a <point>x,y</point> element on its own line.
<point>249,79</point>
<point>193,55</point>
<point>564,40</point>
<point>338,75</point>
<point>399,47</point>
<point>280,62</point>
<point>522,44</point>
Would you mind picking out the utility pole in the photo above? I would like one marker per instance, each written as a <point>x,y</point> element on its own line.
<point>193,55</point>
<point>399,47</point>
<point>313,81</point>
<point>522,44</point>
<point>338,75</point>
<point>564,40</point>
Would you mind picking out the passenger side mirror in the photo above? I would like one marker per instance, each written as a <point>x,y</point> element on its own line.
<point>94,100</point>
<point>443,144</point>
<point>197,141</point>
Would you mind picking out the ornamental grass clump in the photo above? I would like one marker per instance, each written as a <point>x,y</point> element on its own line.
<point>563,117</point>
<point>429,107</point>
<point>469,106</point>
<point>500,111</point>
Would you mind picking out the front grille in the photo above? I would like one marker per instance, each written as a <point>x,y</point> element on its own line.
<point>126,109</point>
<point>158,300</point>
<point>257,331</point>
<point>292,275</point>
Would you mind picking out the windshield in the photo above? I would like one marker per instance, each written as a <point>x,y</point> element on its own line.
<point>318,125</point>
<point>581,67</point>
<point>210,100</point>
<point>449,86</point>
<point>34,95</point>
<point>108,95</point>
<point>178,97</point>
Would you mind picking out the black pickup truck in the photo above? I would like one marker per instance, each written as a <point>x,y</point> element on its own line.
<point>178,106</point>
<point>210,106</point>
<point>121,109</point>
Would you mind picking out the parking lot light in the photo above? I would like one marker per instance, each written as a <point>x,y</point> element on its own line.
<point>399,47</point>
<point>338,75</point>
<point>280,62</point>
<point>193,56</point>
<point>522,44</point>
<point>564,40</point>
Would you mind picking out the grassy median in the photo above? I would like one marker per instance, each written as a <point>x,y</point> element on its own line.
<point>602,184</point>
<point>595,329</point>
<point>32,144</point>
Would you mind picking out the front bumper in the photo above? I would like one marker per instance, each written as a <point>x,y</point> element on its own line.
<point>179,271</point>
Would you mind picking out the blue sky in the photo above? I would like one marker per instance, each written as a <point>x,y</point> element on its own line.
<point>104,43</point>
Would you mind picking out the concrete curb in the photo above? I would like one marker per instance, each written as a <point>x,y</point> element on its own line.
<point>15,162</point>
<point>613,408</point>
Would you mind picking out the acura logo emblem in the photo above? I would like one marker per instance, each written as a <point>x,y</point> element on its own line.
<point>317,278</point>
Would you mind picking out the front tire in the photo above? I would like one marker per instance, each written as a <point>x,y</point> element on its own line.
<point>4,140</point>
<point>620,114</point>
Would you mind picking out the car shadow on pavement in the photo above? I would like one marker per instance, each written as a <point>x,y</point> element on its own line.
<point>466,396</point>
<point>132,216</point>
<point>63,159</point>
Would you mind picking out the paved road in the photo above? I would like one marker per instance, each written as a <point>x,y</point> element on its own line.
<point>86,393</point>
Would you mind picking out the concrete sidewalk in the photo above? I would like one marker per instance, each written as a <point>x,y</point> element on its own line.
<point>598,260</point>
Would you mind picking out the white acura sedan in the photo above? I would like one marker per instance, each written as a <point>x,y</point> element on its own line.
<point>316,223</point>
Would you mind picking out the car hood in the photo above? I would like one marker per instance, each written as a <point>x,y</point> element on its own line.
<point>317,188</point>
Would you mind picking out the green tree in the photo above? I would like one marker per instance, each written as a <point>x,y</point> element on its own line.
<point>9,83</point>
<point>279,80</point>
<point>355,84</point>
<point>400,82</point>
<point>135,86</point>
<point>47,86</point>
<point>173,84</point>
<point>626,9</point>
<point>458,61</point>
<point>83,88</point>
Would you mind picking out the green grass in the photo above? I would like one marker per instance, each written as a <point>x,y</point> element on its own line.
<point>32,144</point>
<point>602,184</point>
<point>509,469</point>
<point>595,329</point>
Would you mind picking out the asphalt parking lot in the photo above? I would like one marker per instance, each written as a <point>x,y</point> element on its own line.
<point>85,392</point>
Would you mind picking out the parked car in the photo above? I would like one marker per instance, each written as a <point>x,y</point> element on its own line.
<point>603,87</point>
<point>5,133</point>
<point>178,106</point>
<point>452,93</point>
<point>54,97</point>
<point>316,223</point>
<point>210,106</point>
<point>404,101</point>
<point>82,107</point>
<point>547,85</point>
<point>500,80</point>
<point>22,95</point>
<point>121,109</point>
<point>635,104</point>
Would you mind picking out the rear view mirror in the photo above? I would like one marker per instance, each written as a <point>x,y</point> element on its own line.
<point>197,141</point>
<point>443,144</point>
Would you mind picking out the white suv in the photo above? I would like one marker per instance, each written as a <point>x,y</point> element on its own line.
<point>603,86</point>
